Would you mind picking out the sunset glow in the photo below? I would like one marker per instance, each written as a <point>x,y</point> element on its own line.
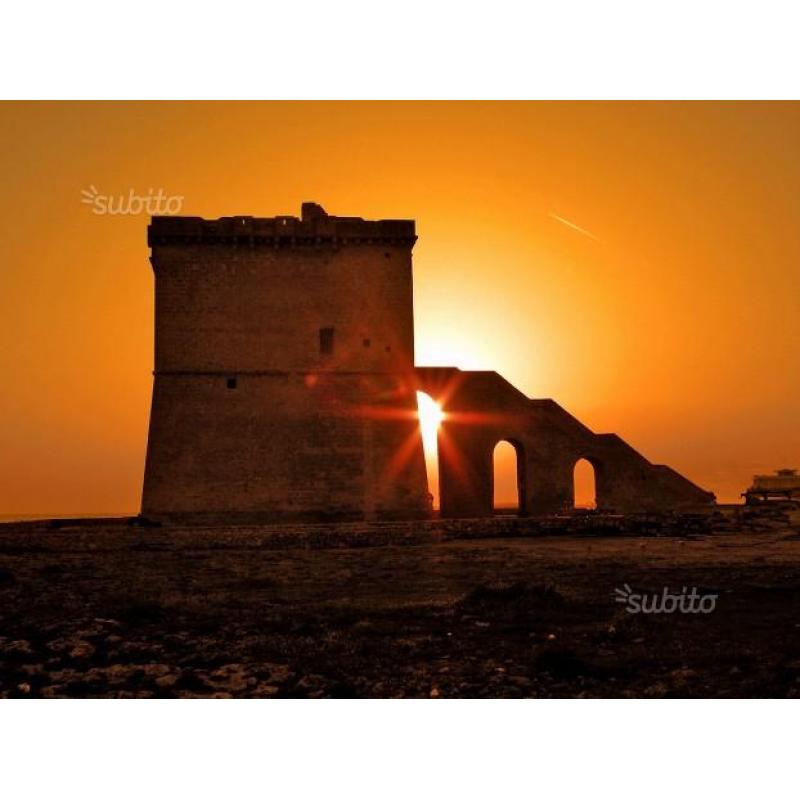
<point>636,262</point>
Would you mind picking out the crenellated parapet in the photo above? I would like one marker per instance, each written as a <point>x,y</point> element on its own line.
<point>313,228</point>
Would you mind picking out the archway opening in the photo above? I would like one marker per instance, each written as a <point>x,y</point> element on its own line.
<point>584,486</point>
<point>430,418</point>
<point>507,479</point>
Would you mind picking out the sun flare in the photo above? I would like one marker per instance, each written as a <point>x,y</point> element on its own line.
<point>430,417</point>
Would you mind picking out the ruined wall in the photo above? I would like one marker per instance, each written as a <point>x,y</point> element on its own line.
<point>481,409</point>
<point>284,369</point>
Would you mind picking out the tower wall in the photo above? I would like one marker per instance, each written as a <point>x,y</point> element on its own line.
<point>283,379</point>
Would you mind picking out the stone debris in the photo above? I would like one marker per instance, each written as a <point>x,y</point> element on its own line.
<point>760,518</point>
<point>512,610</point>
<point>17,648</point>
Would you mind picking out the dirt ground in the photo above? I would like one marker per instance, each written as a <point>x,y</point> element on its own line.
<point>110,610</point>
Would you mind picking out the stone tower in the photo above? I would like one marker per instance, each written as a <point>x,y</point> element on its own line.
<point>284,370</point>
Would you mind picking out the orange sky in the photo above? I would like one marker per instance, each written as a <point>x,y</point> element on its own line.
<point>675,324</point>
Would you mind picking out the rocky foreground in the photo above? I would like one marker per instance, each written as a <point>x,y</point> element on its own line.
<point>499,608</point>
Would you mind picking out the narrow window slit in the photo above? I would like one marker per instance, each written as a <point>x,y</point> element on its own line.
<point>326,341</point>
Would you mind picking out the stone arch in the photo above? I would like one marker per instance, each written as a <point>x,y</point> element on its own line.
<point>520,475</point>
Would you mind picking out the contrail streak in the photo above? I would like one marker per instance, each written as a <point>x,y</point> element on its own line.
<point>573,226</point>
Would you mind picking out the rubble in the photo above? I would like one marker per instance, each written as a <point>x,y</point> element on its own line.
<point>513,607</point>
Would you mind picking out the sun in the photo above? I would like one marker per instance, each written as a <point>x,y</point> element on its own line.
<point>430,417</point>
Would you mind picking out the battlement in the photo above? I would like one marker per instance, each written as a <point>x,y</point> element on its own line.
<point>313,228</point>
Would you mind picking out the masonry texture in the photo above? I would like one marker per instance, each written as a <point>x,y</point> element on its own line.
<point>285,388</point>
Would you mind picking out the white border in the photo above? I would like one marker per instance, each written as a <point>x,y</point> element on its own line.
<point>571,49</point>
<point>398,749</point>
<point>415,49</point>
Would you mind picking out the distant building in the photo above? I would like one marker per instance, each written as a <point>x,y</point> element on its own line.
<point>783,485</point>
<point>285,388</point>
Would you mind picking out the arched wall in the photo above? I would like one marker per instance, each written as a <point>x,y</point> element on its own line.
<point>481,408</point>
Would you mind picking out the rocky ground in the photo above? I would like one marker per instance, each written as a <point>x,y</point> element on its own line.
<point>402,610</point>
